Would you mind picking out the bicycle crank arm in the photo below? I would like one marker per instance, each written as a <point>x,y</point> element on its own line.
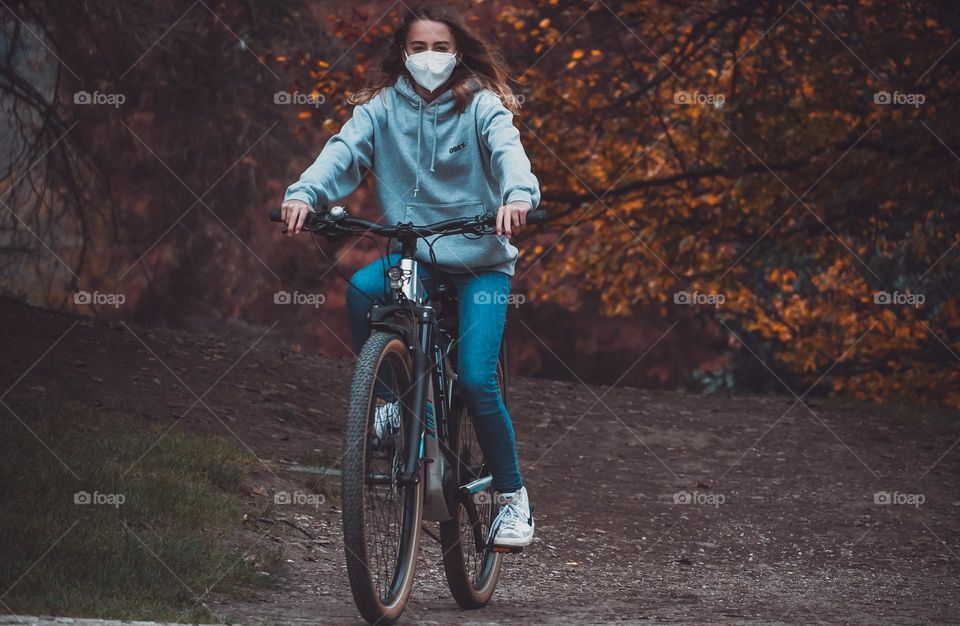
<point>480,484</point>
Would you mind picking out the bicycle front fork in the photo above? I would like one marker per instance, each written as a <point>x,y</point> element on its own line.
<point>419,390</point>
<point>422,442</point>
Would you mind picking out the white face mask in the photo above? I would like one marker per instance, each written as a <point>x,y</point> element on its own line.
<point>431,68</point>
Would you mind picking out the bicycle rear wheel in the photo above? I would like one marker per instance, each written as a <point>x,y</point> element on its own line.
<point>381,519</point>
<point>472,570</point>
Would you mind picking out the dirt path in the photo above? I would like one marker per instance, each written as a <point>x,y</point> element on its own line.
<point>651,506</point>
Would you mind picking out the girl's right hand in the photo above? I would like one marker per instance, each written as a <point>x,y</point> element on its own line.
<point>294,213</point>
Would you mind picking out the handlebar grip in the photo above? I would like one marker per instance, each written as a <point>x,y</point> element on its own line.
<point>275,215</point>
<point>537,217</point>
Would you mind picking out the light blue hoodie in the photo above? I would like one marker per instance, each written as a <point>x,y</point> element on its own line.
<point>430,164</point>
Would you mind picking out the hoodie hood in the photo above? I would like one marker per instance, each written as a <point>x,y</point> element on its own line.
<point>444,104</point>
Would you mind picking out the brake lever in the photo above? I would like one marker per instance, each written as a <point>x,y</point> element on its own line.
<point>329,218</point>
<point>304,229</point>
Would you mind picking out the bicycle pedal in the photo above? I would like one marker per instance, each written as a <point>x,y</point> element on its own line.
<point>507,549</point>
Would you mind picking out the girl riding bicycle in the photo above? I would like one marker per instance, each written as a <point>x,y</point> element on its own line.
<point>436,128</point>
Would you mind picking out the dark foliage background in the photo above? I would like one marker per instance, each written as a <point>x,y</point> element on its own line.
<point>740,150</point>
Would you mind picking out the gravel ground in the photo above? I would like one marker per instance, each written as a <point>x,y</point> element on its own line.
<point>651,506</point>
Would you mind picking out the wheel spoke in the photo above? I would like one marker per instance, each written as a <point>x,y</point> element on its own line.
<point>470,529</point>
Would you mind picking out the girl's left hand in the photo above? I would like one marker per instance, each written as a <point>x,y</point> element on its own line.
<point>512,216</point>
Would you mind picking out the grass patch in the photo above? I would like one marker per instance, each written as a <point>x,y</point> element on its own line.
<point>134,534</point>
<point>328,486</point>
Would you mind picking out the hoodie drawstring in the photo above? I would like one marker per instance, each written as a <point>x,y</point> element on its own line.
<point>416,186</point>
<point>433,158</point>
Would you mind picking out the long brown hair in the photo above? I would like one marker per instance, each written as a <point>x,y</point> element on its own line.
<point>481,65</point>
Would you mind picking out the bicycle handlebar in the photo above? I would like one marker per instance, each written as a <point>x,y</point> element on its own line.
<point>337,219</point>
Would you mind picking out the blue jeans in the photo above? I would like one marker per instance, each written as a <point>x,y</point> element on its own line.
<point>482,313</point>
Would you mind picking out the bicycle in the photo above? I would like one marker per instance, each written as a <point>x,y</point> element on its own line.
<point>428,468</point>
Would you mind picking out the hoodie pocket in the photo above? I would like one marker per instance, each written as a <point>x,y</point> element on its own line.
<point>456,251</point>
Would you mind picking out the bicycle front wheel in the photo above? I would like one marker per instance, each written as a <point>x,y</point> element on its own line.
<point>381,519</point>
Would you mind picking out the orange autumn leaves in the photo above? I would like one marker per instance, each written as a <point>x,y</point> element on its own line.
<point>694,148</point>
<point>825,220</point>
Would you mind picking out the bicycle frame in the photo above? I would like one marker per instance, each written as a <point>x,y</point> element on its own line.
<point>414,319</point>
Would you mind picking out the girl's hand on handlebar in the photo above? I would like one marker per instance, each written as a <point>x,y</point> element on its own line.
<point>512,216</point>
<point>294,213</point>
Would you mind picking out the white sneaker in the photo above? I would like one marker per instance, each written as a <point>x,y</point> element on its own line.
<point>513,526</point>
<point>386,421</point>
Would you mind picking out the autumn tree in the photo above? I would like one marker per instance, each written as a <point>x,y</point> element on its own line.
<point>798,160</point>
<point>790,166</point>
